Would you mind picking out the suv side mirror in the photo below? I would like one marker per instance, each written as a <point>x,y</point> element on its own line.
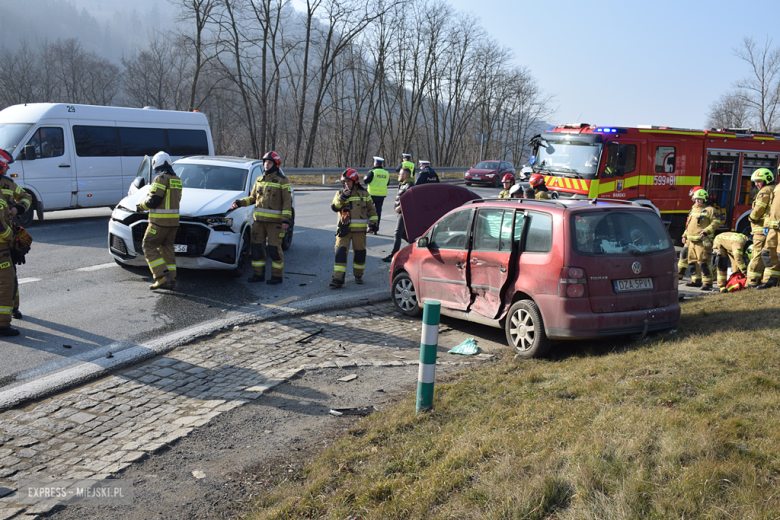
<point>28,153</point>
<point>422,242</point>
<point>139,182</point>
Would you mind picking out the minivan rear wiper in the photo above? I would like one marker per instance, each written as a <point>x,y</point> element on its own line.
<point>637,252</point>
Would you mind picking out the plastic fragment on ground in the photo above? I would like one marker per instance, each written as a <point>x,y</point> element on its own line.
<point>467,348</point>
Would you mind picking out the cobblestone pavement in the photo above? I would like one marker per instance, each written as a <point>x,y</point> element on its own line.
<point>100,428</point>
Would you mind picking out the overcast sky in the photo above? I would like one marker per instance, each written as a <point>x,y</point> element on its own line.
<point>658,62</point>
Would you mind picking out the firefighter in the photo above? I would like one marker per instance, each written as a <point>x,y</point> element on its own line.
<point>537,183</point>
<point>19,202</point>
<point>426,175</point>
<point>376,181</point>
<point>508,181</point>
<point>682,263</point>
<point>404,183</point>
<point>529,193</point>
<point>698,235</point>
<point>730,246</point>
<point>406,162</point>
<point>7,273</point>
<point>762,178</point>
<point>163,206</point>
<point>769,252</point>
<point>516,192</point>
<point>272,198</point>
<point>356,215</point>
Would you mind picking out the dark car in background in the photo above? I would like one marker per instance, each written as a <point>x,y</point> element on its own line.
<point>488,172</point>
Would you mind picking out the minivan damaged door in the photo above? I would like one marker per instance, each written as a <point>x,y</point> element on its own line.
<point>490,256</point>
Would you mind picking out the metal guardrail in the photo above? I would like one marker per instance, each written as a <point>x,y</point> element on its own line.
<point>362,171</point>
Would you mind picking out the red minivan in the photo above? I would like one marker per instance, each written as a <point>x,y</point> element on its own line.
<point>544,270</point>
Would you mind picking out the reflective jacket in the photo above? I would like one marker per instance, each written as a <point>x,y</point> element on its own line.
<point>361,208</point>
<point>758,213</point>
<point>734,245</point>
<point>772,219</point>
<point>164,200</point>
<point>6,229</point>
<point>410,166</point>
<point>704,219</point>
<point>272,197</point>
<point>504,194</point>
<point>426,175</point>
<point>377,180</point>
<point>14,195</point>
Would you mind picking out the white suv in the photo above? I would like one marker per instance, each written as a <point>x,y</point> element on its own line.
<point>210,236</point>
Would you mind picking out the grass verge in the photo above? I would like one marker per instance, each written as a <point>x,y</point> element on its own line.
<point>682,425</point>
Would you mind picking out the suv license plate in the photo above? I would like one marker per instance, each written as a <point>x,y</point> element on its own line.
<point>635,284</point>
<point>179,248</point>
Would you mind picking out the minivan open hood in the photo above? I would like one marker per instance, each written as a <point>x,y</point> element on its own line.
<point>194,202</point>
<point>422,206</point>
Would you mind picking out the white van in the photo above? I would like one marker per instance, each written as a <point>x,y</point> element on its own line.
<point>82,156</point>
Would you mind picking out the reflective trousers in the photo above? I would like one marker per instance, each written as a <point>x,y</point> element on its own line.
<point>769,255</point>
<point>7,285</point>
<point>358,241</point>
<point>756,266</point>
<point>158,250</point>
<point>700,259</point>
<point>273,233</point>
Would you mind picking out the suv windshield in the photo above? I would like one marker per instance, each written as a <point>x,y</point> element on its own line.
<point>619,233</point>
<point>485,165</point>
<point>581,158</point>
<point>11,134</point>
<point>209,177</point>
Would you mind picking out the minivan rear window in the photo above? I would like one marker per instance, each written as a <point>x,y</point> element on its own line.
<point>618,233</point>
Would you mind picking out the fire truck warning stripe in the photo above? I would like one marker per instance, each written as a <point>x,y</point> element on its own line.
<point>676,132</point>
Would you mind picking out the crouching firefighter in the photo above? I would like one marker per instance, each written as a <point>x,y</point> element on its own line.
<point>272,198</point>
<point>163,206</point>
<point>772,232</point>
<point>698,234</point>
<point>730,246</point>
<point>357,215</point>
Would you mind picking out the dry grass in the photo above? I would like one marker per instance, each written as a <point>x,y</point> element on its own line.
<point>682,425</point>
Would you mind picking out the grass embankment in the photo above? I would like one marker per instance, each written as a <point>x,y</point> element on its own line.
<point>683,425</point>
<point>316,179</point>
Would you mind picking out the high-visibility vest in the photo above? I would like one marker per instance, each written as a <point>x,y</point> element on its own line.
<point>410,166</point>
<point>378,185</point>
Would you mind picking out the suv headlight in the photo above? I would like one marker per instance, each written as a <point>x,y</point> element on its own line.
<point>219,221</point>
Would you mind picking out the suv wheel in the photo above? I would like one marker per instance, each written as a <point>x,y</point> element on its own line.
<point>404,295</point>
<point>243,258</point>
<point>525,330</point>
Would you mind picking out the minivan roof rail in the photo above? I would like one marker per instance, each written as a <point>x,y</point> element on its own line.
<point>518,201</point>
<point>622,201</point>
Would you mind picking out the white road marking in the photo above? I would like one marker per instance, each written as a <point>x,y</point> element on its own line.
<point>95,267</point>
<point>25,280</point>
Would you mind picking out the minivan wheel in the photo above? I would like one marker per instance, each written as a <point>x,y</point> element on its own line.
<point>404,295</point>
<point>525,330</point>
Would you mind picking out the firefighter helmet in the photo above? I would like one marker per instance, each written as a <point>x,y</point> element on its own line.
<point>161,159</point>
<point>700,194</point>
<point>536,180</point>
<point>508,178</point>
<point>694,190</point>
<point>762,174</point>
<point>749,252</point>
<point>6,157</point>
<point>350,174</point>
<point>275,157</point>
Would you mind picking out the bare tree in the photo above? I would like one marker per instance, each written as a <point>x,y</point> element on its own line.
<point>198,11</point>
<point>760,92</point>
<point>729,111</point>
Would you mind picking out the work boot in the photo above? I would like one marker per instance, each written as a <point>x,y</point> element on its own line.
<point>162,283</point>
<point>693,284</point>
<point>16,313</point>
<point>707,287</point>
<point>724,290</point>
<point>256,278</point>
<point>8,331</point>
<point>388,258</point>
<point>772,282</point>
<point>335,284</point>
<point>359,280</point>
<point>275,280</point>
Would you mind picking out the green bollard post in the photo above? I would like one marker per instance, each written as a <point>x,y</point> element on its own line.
<point>429,342</point>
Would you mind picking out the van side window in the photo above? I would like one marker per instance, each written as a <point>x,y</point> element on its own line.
<point>95,141</point>
<point>48,142</point>
<point>188,142</point>
<point>664,159</point>
<point>621,159</point>
<point>539,236</point>
<point>137,142</point>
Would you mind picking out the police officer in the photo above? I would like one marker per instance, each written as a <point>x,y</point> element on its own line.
<point>769,253</point>
<point>426,175</point>
<point>163,206</point>
<point>508,181</point>
<point>376,181</point>
<point>19,202</point>
<point>357,214</point>
<point>272,198</point>
<point>730,246</point>
<point>406,162</point>
<point>762,179</point>
<point>682,263</point>
<point>537,183</point>
<point>404,183</point>
<point>698,235</point>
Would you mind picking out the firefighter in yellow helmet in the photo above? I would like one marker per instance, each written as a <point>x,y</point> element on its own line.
<point>682,263</point>
<point>762,179</point>
<point>357,215</point>
<point>702,224</point>
<point>772,231</point>
<point>163,206</point>
<point>730,246</point>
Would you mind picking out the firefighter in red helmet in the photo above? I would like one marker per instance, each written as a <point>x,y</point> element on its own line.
<point>537,183</point>
<point>508,181</point>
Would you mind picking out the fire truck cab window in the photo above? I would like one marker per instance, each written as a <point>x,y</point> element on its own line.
<point>664,159</point>
<point>621,159</point>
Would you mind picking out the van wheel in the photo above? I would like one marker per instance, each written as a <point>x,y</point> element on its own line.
<point>525,330</point>
<point>404,295</point>
<point>243,258</point>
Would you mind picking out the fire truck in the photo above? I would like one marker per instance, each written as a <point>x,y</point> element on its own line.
<point>657,166</point>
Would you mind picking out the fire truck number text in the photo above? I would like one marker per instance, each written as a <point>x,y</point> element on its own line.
<point>662,180</point>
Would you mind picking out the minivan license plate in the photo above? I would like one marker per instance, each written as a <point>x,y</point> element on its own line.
<point>180,248</point>
<point>635,284</point>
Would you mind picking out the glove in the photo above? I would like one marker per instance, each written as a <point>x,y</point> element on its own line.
<point>372,226</point>
<point>138,208</point>
<point>766,231</point>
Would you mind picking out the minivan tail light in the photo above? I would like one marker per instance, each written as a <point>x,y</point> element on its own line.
<point>573,283</point>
